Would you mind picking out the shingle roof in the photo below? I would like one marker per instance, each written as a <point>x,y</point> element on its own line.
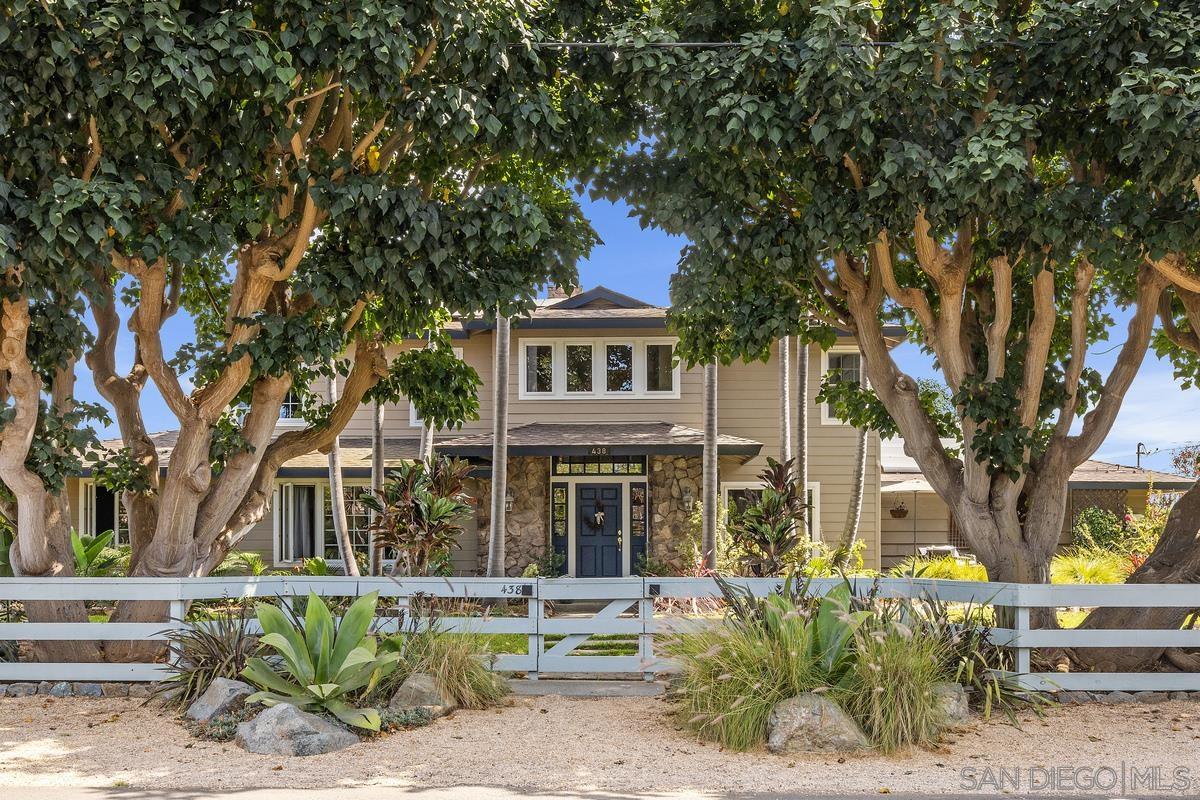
<point>1088,475</point>
<point>617,438</point>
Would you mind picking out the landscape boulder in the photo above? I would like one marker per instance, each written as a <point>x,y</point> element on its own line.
<point>284,730</point>
<point>810,723</point>
<point>420,690</point>
<point>222,696</point>
<point>951,701</point>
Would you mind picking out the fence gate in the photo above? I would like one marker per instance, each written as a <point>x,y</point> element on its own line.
<point>596,625</point>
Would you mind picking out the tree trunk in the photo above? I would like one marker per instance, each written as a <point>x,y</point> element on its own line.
<point>1176,559</point>
<point>426,443</point>
<point>802,431</point>
<point>46,536</point>
<point>496,554</point>
<point>377,468</point>
<point>337,496</point>
<point>854,511</point>
<point>785,399</point>
<point>708,532</point>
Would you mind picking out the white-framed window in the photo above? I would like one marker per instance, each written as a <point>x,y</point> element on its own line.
<point>737,494</point>
<point>290,411</point>
<point>101,510</point>
<point>414,418</point>
<point>576,368</point>
<point>844,364</point>
<point>304,521</point>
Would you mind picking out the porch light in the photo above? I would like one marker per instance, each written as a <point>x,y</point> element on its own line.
<point>509,497</point>
<point>689,500</point>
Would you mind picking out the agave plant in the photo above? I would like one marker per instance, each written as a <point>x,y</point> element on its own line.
<point>323,662</point>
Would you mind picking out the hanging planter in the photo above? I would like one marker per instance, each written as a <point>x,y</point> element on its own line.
<point>898,511</point>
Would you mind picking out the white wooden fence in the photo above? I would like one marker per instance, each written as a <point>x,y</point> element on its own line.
<point>631,611</point>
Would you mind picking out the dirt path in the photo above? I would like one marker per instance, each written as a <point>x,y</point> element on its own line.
<point>554,743</point>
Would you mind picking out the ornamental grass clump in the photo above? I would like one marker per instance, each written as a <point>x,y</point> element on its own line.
<point>766,651</point>
<point>891,689</point>
<point>1090,565</point>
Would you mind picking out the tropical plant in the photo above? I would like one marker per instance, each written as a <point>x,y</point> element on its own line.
<point>1090,565</point>
<point>942,567</point>
<point>549,565</point>
<point>771,527</point>
<point>820,560</point>
<point>94,557</point>
<point>316,566</point>
<point>421,512</point>
<point>242,562</point>
<point>200,653</point>
<point>323,662</point>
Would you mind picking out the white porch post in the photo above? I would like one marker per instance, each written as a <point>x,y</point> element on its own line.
<point>709,527</point>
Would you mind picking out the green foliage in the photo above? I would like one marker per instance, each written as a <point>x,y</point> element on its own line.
<point>820,560</point>
<point>219,647</point>
<point>768,530</point>
<point>1097,528</point>
<point>241,562</point>
<point>768,650</point>
<point>443,387</point>
<point>941,567</point>
<point>420,512</point>
<point>322,662</point>
<point>6,541</point>
<point>891,688</point>
<point>316,567</point>
<point>458,662</point>
<point>221,728</point>
<point>402,719</point>
<point>1090,565</point>
<point>94,558</point>
<point>548,566</point>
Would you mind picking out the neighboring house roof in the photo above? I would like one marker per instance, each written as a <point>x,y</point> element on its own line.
<point>599,294</point>
<point>623,438</point>
<point>356,458</point>
<point>898,468</point>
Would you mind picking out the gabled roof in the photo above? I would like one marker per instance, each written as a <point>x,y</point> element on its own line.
<point>599,295</point>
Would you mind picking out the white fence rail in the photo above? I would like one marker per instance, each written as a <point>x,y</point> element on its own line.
<point>593,626</point>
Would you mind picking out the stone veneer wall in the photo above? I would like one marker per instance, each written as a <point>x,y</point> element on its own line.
<point>527,526</point>
<point>670,476</point>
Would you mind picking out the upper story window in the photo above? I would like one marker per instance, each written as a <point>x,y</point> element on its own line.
<point>840,366</point>
<point>592,368</point>
<point>414,417</point>
<point>292,408</point>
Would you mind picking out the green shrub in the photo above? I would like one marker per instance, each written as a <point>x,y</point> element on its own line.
<point>891,688</point>
<point>241,562</point>
<point>1098,528</point>
<point>819,560</point>
<point>95,557</point>
<point>768,530</point>
<point>942,567</point>
<point>1090,565</point>
<point>548,566</point>
<point>768,650</point>
<point>219,647</point>
<point>221,728</point>
<point>402,719</point>
<point>323,663</point>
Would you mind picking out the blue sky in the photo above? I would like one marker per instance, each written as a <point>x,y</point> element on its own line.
<point>640,262</point>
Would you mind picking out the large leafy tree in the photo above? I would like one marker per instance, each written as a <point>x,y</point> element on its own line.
<point>993,176</point>
<point>307,182</point>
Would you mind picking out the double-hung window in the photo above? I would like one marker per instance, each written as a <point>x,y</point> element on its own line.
<point>840,366</point>
<point>560,369</point>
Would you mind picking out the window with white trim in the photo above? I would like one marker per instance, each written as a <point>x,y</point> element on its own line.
<point>291,409</point>
<point>560,369</point>
<point>737,495</point>
<point>839,366</point>
<point>101,510</point>
<point>304,522</point>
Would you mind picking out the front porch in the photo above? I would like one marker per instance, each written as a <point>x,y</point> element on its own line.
<point>595,500</point>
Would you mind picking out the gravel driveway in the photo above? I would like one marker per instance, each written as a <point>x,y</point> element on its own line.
<point>555,744</point>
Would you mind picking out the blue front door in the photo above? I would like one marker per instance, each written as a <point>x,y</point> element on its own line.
<point>598,530</point>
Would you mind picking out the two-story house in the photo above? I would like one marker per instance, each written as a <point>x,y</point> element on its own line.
<point>604,447</point>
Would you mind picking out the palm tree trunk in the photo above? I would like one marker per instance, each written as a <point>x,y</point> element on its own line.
<point>785,399</point>
<point>802,430</point>
<point>708,531</point>
<point>496,555</point>
<point>337,497</point>
<point>426,443</point>
<point>854,512</point>
<point>377,469</point>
